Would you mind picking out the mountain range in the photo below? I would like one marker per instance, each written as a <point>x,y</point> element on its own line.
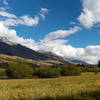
<point>13,49</point>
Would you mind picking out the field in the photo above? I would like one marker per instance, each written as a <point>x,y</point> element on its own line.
<point>84,87</point>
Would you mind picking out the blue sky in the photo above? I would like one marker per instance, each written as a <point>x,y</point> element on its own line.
<point>48,25</point>
<point>60,15</point>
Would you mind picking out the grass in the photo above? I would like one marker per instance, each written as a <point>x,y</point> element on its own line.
<point>9,59</point>
<point>84,87</point>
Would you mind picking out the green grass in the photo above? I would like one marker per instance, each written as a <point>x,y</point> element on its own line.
<point>84,87</point>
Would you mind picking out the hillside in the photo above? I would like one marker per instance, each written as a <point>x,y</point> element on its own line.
<point>13,49</point>
<point>11,59</point>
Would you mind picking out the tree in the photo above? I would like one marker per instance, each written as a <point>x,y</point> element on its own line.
<point>19,70</point>
<point>70,70</point>
<point>47,72</point>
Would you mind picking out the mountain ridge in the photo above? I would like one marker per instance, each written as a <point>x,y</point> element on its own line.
<point>14,49</point>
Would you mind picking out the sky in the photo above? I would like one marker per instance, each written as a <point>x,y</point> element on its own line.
<point>69,28</point>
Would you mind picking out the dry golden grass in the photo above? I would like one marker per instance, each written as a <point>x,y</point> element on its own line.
<point>9,59</point>
<point>30,89</point>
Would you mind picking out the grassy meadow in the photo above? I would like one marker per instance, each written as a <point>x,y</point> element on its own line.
<point>84,87</point>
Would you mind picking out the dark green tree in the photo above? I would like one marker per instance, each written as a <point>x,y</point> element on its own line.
<point>19,70</point>
<point>47,72</point>
<point>70,70</point>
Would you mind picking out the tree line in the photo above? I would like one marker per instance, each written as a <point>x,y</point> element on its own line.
<point>20,70</point>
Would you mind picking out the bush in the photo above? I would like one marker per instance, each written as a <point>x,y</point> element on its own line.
<point>3,73</point>
<point>47,72</point>
<point>70,70</point>
<point>91,69</point>
<point>19,70</point>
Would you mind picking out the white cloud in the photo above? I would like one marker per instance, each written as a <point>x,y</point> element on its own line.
<point>43,12</point>
<point>29,21</point>
<point>10,22</point>
<point>90,14</point>
<point>90,54</point>
<point>86,18</point>
<point>50,44</point>
<point>24,20</point>
<point>5,2</point>
<point>13,20</point>
<point>5,5</point>
<point>62,33</point>
<point>53,42</point>
<point>3,8</point>
<point>9,19</point>
<point>6,14</point>
<point>12,36</point>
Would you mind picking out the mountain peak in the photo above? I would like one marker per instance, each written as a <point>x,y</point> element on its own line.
<point>5,40</point>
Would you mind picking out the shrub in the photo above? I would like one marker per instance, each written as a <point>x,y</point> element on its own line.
<point>91,69</point>
<point>70,70</point>
<point>19,70</point>
<point>3,73</point>
<point>47,72</point>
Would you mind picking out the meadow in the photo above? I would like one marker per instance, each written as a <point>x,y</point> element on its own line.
<point>84,87</point>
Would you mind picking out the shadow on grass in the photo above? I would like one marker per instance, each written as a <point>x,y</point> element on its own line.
<point>92,95</point>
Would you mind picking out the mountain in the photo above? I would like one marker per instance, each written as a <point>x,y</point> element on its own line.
<point>76,61</point>
<point>4,59</point>
<point>13,49</point>
<point>53,55</point>
<point>5,40</point>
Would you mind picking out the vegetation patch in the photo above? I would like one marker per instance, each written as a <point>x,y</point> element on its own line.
<point>47,72</point>
<point>70,70</point>
<point>19,70</point>
<point>84,87</point>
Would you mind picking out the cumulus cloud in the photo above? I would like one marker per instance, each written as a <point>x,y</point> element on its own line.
<point>90,14</point>
<point>90,54</point>
<point>29,21</point>
<point>54,39</point>
<point>54,42</point>
<point>12,36</point>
